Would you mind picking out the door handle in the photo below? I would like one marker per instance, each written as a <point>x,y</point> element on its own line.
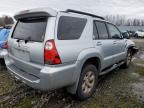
<point>99,43</point>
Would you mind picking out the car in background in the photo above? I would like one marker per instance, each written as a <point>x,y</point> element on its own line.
<point>126,34</point>
<point>3,44</point>
<point>131,33</point>
<point>139,34</point>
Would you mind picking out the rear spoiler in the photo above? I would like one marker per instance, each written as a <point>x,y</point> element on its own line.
<point>36,12</point>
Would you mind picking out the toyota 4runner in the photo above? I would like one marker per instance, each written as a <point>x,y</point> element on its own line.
<point>49,49</point>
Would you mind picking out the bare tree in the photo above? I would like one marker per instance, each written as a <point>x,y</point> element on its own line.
<point>6,20</point>
<point>122,20</point>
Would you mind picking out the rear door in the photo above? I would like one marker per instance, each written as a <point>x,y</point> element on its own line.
<point>103,43</point>
<point>26,42</point>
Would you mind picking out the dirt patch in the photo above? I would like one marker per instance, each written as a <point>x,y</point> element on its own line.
<point>138,90</point>
<point>6,83</point>
<point>139,60</point>
<point>140,55</point>
<point>139,43</point>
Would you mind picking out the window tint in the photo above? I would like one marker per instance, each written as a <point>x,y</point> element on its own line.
<point>95,33</point>
<point>32,29</point>
<point>115,34</point>
<point>102,30</point>
<point>70,28</point>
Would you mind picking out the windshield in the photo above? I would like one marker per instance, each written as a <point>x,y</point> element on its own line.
<point>31,29</point>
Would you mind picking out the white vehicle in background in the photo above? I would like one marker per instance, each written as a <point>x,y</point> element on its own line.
<point>139,34</point>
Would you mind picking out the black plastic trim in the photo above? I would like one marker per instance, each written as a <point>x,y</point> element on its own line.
<point>84,13</point>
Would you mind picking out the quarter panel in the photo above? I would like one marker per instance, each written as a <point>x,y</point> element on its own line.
<point>83,56</point>
<point>70,49</point>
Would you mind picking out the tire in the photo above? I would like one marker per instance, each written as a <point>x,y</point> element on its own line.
<point>2,64</point>
<point>87,82</point>
<point>128,59</point>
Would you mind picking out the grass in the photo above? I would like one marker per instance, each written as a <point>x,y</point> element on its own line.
<point>25,103</point>
<point>6,83</point>
<point>139,70</point>
<point>112,91</point>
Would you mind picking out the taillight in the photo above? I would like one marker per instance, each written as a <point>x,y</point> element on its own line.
<point>5,45</point>
<point>51,55</point>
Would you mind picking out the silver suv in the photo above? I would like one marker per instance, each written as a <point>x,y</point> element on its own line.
<point>50,49</point>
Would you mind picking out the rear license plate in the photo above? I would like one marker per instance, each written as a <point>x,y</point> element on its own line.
<point>21,54</point>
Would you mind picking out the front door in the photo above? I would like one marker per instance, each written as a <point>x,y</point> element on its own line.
<point>119,43</point>
<point>103,43</point>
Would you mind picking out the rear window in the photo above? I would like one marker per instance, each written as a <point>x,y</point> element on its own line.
<point>70,28</point>
<point>31,29</point>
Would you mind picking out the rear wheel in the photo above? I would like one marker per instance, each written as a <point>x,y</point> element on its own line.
<point>87,82</point>
<point>128,59</point>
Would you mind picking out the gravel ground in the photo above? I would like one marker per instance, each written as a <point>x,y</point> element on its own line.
<point>121,88</point>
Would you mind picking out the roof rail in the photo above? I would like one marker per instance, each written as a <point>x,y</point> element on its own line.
<point>84,13</point>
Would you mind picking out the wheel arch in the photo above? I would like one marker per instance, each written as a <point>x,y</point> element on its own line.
<point>133,49</point>
<point>94,58</point>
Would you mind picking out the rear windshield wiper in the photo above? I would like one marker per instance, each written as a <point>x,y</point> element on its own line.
<point>28,39</point>
<point>25,40</point>
<point>18,40</point>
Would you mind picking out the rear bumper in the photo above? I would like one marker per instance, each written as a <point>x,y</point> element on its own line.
<point>48,77</point>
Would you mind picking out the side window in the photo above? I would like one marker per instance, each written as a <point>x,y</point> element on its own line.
<point>114,32</point>
<point>102,30</point>
<point>70,28</point>
<point>95,32</point>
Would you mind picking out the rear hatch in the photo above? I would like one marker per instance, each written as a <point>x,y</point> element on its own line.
<point>26,43</point>
<point>27,39</point>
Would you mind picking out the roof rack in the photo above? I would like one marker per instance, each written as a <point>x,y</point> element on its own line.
<point>84,13</point>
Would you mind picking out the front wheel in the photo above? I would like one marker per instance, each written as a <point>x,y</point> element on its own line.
<point>128,59</point>
<point>87,82</point>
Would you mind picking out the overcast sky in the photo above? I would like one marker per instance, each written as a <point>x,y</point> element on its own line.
<point>129,8</point>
